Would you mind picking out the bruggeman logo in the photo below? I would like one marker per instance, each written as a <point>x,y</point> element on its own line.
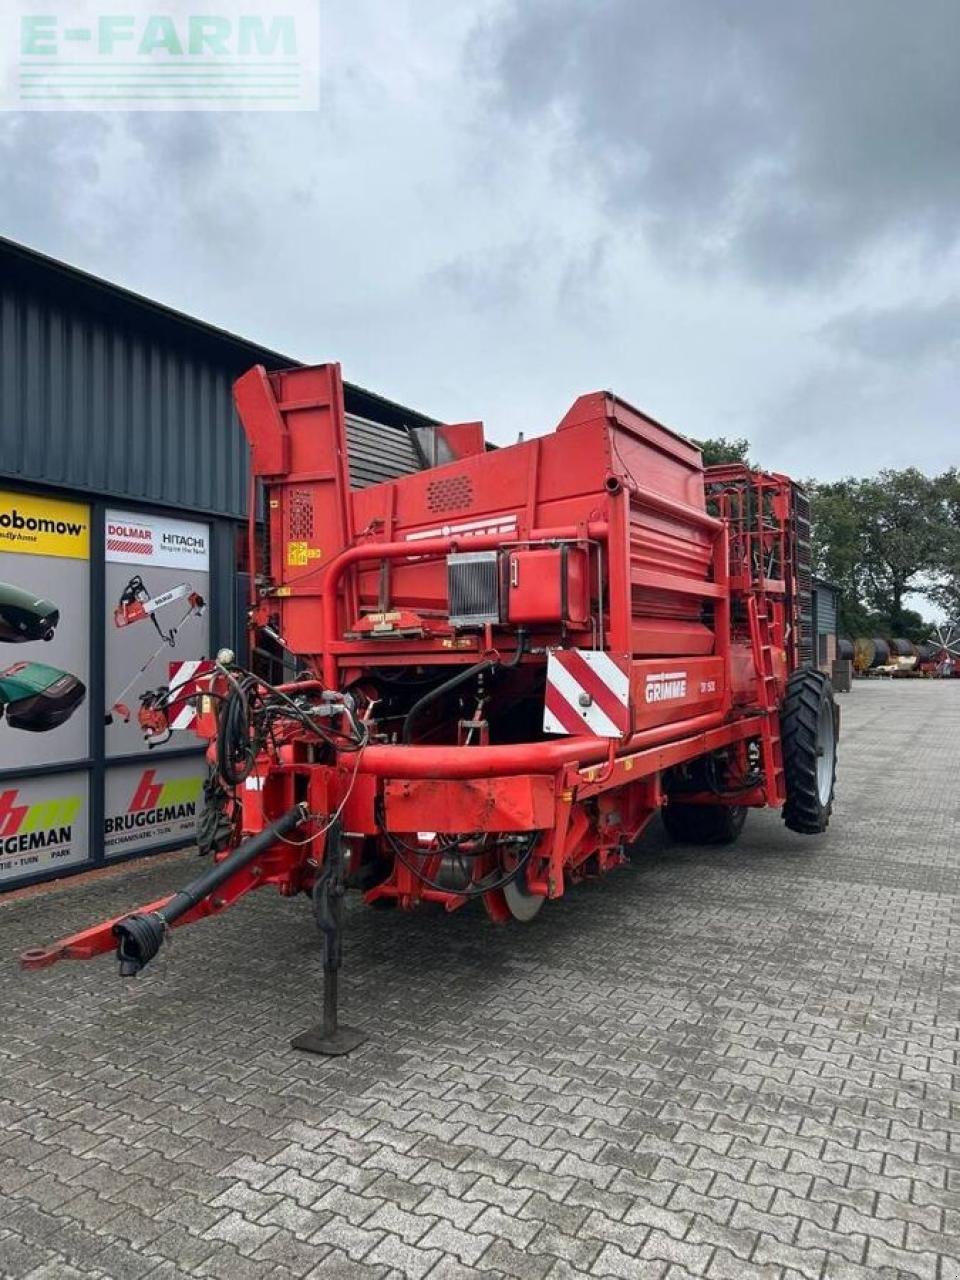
<point>27,827</point>
<point>156,803</point>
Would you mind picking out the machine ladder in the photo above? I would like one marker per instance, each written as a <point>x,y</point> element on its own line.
<point>771,743</point>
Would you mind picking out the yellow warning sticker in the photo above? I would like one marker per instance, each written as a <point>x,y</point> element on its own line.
<point>41,526</point>
<point>301,553</point>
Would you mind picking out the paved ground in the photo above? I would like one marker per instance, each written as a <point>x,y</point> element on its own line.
<point>713,1064</point>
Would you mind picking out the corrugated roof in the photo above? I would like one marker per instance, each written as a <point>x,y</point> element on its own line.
<point>16,259</point>
<point>105,391</point>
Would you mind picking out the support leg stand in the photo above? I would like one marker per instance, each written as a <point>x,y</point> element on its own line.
<point>330,1038</point>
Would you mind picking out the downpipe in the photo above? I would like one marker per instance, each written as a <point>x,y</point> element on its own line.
<point>140,935</point>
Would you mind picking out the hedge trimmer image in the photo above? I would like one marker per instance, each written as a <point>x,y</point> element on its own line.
<point>25,616</point>
<point>38,698</point>
<point>137,605</point>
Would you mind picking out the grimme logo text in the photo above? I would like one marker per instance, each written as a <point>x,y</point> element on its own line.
<point>664,686</point>
<point>147,35</point>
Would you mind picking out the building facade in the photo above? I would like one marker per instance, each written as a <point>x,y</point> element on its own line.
<point>123,498</point>
<point>826,622</point>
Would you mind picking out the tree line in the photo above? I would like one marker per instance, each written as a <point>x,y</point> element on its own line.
<point>879,539</point>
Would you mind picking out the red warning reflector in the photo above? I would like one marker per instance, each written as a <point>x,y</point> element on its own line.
<point>588,691</point>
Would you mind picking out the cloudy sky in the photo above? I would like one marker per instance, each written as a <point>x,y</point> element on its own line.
<point>742,215</point>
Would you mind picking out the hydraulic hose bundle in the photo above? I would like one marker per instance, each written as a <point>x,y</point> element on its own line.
<point>251,713</point>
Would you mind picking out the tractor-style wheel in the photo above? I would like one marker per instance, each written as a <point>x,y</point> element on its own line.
<point>808,729</point>
<point>703,823</point>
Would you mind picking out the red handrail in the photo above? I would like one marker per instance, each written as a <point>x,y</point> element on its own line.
<point>596,530</point>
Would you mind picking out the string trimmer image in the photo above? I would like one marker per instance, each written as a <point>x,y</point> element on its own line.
<point>174,706</point>
<point>25,616</point>
<point>137,605</point>
<point>38,698</point>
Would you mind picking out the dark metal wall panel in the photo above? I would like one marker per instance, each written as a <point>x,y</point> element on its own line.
<point>92,406</point>
<point>376,454</point>
<point>826,611</point>
<point>108,393</point>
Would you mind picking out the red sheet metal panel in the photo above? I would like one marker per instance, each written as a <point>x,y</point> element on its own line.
<point>521,803</point>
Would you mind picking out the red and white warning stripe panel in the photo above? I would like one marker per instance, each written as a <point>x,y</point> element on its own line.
<point>588,691</point>
<point>187,679</point>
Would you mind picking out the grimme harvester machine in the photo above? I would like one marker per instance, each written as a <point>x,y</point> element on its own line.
<point>509,662</point>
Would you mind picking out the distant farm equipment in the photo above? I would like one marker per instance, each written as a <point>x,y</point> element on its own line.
<point>936,658</point>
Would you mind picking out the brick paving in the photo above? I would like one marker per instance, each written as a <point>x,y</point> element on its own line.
<point>736,1063</point>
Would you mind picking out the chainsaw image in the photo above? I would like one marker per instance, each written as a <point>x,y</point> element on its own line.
<point>136,605</point>
<point>25,616</point>
<point>38,698</point>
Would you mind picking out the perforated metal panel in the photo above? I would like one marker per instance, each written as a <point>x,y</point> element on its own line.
<point>450,493</point>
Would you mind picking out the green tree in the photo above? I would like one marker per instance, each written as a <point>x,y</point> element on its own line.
<point>904,531</point>
<point>946,591</point>
<point>880,539</point>
<point>838,549</point>
<point>720,449</point>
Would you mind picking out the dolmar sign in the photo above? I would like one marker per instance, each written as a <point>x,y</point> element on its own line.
<point>135,538</point>
<point>157,811</point>
<point>40,834</point>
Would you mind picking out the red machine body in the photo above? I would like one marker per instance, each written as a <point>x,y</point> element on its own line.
<point>502,666</point>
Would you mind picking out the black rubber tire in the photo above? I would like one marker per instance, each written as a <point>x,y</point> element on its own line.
<point>807,716</point>
<point>703,823</point>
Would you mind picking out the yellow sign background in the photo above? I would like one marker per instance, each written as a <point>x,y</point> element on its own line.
<point>40,526</point>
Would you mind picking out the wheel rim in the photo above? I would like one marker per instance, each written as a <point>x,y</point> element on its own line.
<point>826,753</point>
<point>521,903</point>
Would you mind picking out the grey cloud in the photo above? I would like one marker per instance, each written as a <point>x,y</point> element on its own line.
<point>488,225</point>
<point>904,334</point>
<point>844,417</point>
<point>47,159</point>
<point>496,278</point>
<point>572,275</point>
<point>783,139</point>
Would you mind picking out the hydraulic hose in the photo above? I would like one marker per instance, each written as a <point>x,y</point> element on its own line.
<point>235,755</point>
<point>478,668</point>
<point>418,708</point>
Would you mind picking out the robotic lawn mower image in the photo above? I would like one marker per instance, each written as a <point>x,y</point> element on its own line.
<point>38,698</point>
<point>25,616</point>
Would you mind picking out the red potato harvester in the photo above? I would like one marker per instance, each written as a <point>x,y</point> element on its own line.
<point>510,662</point>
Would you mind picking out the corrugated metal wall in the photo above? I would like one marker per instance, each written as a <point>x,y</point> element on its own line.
<point>90,405</point>
<point>826,611</point>
<point>108,393</point>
